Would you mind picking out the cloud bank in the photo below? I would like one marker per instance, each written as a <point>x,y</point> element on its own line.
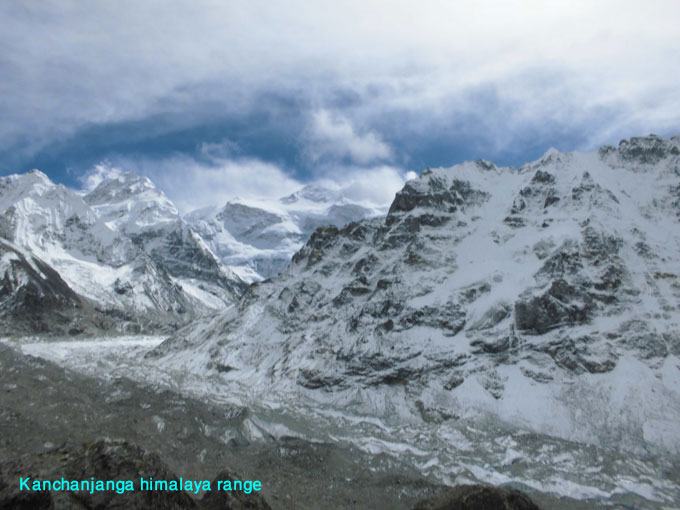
<point>307,89</point>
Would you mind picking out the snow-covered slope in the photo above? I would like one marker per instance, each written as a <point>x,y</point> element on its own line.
<point>257,238</point>
<point>132,205</point>
<point>99,261</point>
<point>547,296</point>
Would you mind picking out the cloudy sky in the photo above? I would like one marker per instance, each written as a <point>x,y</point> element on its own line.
<point>213,99</point>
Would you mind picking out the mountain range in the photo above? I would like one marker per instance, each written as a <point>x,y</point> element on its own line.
<point>120,257</point>
<point>546,296</point>
<point>508,325</point>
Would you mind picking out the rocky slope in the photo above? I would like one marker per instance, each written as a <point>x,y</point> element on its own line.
<point>120,424</point>
<point>34,298</point>
<point>546,296</point>
<point>64,253</point>
<point>257,238</point>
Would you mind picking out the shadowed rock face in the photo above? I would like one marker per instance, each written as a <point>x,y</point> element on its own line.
<point>478,497</point>
<point>12,499</point>
<point>35,299</point>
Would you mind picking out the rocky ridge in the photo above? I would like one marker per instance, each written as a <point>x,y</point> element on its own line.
<point>486,289</point>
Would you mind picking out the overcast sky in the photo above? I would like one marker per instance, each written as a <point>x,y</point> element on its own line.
<point>213,99</point>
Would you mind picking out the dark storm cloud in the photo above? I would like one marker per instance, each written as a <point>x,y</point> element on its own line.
<point>317,88</point>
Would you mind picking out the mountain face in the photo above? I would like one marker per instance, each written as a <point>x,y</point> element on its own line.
<point>546,296</point>
<point>132,265</point>
<point>132,205</point>
<point>257,238</point>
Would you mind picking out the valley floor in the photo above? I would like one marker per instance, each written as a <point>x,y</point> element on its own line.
<point>60,394</point>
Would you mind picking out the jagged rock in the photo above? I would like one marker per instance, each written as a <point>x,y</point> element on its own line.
<point>648,150</point>
<point>562,304</point>
<point>438,195</point>
<point>478,497</point>
<point>35,299</point>
<point>582,354</point>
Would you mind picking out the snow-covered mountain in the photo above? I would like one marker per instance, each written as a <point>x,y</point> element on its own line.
<point>128,260</point>
<point>132,205</point>
<point>546,295</point>
<point>257,238</point>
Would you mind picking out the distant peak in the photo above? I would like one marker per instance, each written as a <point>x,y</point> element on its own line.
<point>312,192</point>
<point>127,181</point>
<point>485,164</point>
<point>38,175</point>
<point>552,152</point>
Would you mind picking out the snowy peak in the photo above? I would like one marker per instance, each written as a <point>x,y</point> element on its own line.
<point>313,193</point>
<point>50,218</point>
<point>131,203</point>
<point>257,238</point>
<point>122,248</point>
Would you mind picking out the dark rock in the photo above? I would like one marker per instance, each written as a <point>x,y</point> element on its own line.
<point>478,497</point>
<point>365,265</point>
<point>644,250</point>
<point>122,287</point>
<point>514,221</point>
<point>11,498</point>
<point>120,460</point>
<point>543,177</point>
<point>437,196</point>
<point>469,294</point>
<point>646,149</point>
<point>322,239</point>
<point>550,200</point>
<point>454,382</point>
<point>518,205</point>
<point>562,304</point>
<point>492,316</point>
<point>598,246</point>
<point>582,354</point>
<point>314,379</point>
<point>231,500</point>
<point>564,261</point>
<point>449,317</point>
<point>490,344</point>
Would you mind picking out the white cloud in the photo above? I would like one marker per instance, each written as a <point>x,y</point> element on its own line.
<point>332,135</point>
<point>94,62</point>
<point>376,186</point>
<point>192,185</point>
<point>91,179</point>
